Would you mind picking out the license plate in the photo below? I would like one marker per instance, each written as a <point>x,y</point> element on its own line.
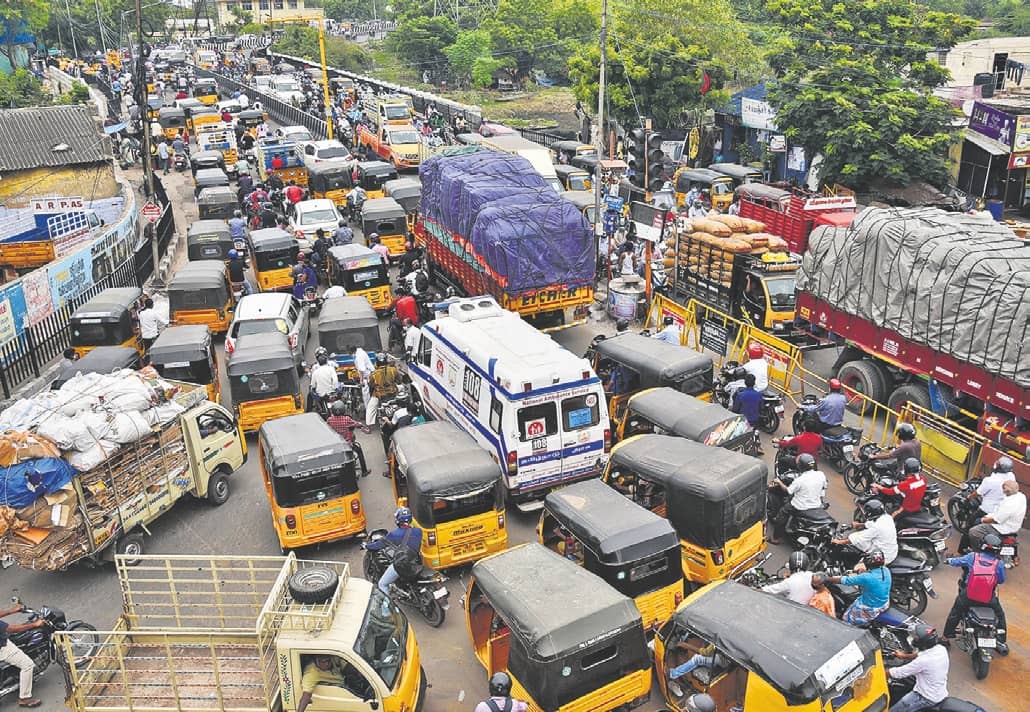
<point>940,545</point>
<point>848,449</point>
<point>440,593</point>
<point>539,444</point>
<point>927,584</point>
<point>1008,551</point>
<point>779,410</point>
<point>986,643</point>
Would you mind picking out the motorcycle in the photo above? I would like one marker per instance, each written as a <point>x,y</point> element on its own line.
<point>181,161</point>
<point>38,643</point>
<point>911,583</point>
<point>838,441</point>
<point>964,505</point>
<point>731,380</point>
<point>802,528</point>
<point>898,688</point>
<point>312,302</point>
<point>860,475</point>
<point>892,628</point>
<point>926,531</point>
<point>426,593</point>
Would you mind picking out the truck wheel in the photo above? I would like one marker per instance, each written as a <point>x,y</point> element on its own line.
<point>218,489</point>
<point>915,393</point>
<point>863,377</point>
<point>131,547</point>
<point>314,585</point>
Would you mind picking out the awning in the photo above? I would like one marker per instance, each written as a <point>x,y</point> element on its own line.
<point>988,144</point>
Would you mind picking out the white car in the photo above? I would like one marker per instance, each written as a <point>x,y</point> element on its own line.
<point>263,83</point>
<point>326,151</point>
<point>311,215</point>
<point>297,134</point>
<point>287,90</point>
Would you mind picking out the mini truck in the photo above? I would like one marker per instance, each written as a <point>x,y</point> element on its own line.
<point>237,634</point>
<point>30,240</point>
<point>397,145</point>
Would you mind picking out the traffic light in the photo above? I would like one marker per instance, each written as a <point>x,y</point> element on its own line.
<point>655,161</point>
<point>636,151</point>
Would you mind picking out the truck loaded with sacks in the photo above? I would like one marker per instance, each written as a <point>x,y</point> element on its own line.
<point>930,308</point>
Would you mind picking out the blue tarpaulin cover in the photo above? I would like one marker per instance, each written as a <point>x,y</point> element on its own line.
<point>21,484</point>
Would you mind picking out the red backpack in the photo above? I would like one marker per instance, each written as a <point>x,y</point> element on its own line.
<point>983,577</point>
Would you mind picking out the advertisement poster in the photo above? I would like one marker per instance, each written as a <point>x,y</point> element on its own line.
<point>992,123</point>
<point>757,114</point>
<point>1021,143</point>
<point>7,326</point>
<point>70,277</point>
<point>12,312</point>
<point>39,303</point>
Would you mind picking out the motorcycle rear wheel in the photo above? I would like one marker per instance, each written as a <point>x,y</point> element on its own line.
<point>958,516</point>
<point>431,609</point>
<point>981,665</point>
<point>83,640</point>
<point>369,569</point>
<point>769,423</point>
<point>854,480</point>
<point>911,600</point>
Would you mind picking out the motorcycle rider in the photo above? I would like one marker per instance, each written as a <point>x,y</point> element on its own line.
<point>324,381</point>
<point>405,308</point>
<point>807,442</point>
<point>320,246</point>
<point>829,413</point>
<point>748,401</point>
<point>983,573</point>
<point>990,488</point>
<point>417,280</point>
<point>798,585</point>
<point>382,384</point>
<point>407,261</point>
<point>238,272</point>
<point>343,235</point>
<point>237,225</point>
<point>344,425</point>
<point>355,199</point>
<point>929,667</point>
<point>806,492</point>
<point>1006,518</point>
<point>411,334</point>
<point>876,533</point>
<point>267,217</point>
<point>757,365</point>
<point>908,446</point>
<point>912,488</point>
<point>670,333</point>
<point>13,655</point>
<point>304,278</point>
<point>873,579</point>
<point>375,244</point>
<point>500,699</point>
<point>404,535</point>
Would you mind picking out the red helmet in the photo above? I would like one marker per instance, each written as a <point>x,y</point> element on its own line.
<point>754,350</point>
<point>834,384</point>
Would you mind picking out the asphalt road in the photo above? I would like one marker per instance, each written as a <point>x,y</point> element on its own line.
<point>242,526</point>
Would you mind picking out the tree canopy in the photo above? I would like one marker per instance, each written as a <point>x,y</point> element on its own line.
<point>855,85</point>
<point>302,41</point>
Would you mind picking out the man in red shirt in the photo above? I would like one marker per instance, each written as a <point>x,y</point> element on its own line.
<point>404,307</point>
<point>912,488</point>
<point>294,193</point>
<point>344,425</point>
<point>807,442</point>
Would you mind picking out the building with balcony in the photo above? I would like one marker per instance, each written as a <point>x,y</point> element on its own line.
<point>261,11</point>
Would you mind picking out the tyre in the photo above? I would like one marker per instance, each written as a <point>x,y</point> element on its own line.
<point>981,664</point>
<point>769,423</point>
<point>218,489</point>
<point>960,517</point>
<point>910,598</point>
<point>854,480</point>
<point>130,546</point>
<point>858,515</point>
<point>863,377</point>
<point>797,420</point>
<point>369,568</point>
<point>431,609</point>
<point>314,585</point>
<point>915,393</point>
<point>83,639</point>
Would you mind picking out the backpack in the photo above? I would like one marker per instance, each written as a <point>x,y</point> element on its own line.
<point>983,577</point>
<point>492,704</point>
<point>421,282</point>
<point>406,561</point>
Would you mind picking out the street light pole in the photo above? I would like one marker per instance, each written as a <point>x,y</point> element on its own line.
<point>148,166</point>
<point>599,138</point>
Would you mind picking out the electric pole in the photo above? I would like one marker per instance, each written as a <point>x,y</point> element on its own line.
<point>599,138</point>
<point>71,28</point>
<point>148,165</point>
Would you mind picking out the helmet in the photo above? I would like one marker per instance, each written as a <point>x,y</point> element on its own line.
<point>834,384</point>
<point>700,702</point>
<point>806,462</point>
<point>322,357</point>
<point>343,223</point>
<point>233,254</point>
<point>237,213</point>
<point>451,292</point>
<point>338,408</point>
<point>402,516</point>
<point>415,264</point>
<point>754,350</point>
<point>874,559</point>
<point>320,232</point>
<point>924,637</point>
<point>912,465</point>
<point>798,561</point>
<point>906,431</point>
<point>381,358</point>
<point>1004,464</point>
<point>621,325</point>
<point>991,543</point>
<point>667,321</point>
<point>698,203</point>
<point>374,237</point>
<point>500,684</point>
<point>873,508</point>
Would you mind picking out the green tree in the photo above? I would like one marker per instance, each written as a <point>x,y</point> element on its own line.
<point>34,15</point>
<point>347,9</point>
<point>79,94</point>
<point>116,16</point>
<point>657,60</point>
<point>470,58</point>
<point>420,41</point>
<point>302,41</point>
<point>521,30</point>
<point>855,85</point>
<point>1011,18</point>
<point>21,89</point>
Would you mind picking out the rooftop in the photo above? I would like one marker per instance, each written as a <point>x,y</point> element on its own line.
<point>50,137</point>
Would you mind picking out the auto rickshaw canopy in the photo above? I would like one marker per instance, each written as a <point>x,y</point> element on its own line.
<point>799,651</point>
<point>353,256</point>
<point>442,461</point>
<point>330,175</point>
<point>217,200</point>
<point>204,87</point>
<point>660,363</point>
<point>102,360</point>
<point>407,191</point>
<point>208,177</point>
<point>688,417</point>
<point>272,238</point>
<point>685,177</point>
<point>345,323</point>
<point>110,305</point>
<point>261,353</point>
<point>377,210</point>
<point>251,117</point>
<point>737,172</point>
<point>171,117</point>
<point>298,445</point>
<point>200,275</point>
<point>373,174</point>
<point>181,344</point>
<point>206,160</point>
<point>553,606</point>
<point>712,495</point>
<point>613,527</point>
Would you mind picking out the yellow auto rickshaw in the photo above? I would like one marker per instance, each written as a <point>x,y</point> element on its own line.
<point>716,186</point>
<point>154,104</point>
<point>200,293</point>
<point>217,202</point>
<point>714,499</point>
<point>372,175</point>
<point>263,380</point>
<point>567,639</point>
<point>768,654</point>
<point>172,120</point>
<point>666,411</point>
<point>310,475</point>
<point>634,550</point>
<point>274,252</point>
<point>362,273</point>
<point>407,191</point>
<point>385,217</point>
<point>187,353</point>
<point>206,90</point>
<point>331,180</point>
<point>741,175</point>
<point>573,178</point>
<point>108,319</point>
<point>250,119</point>
<point>201,111</point>
<point>562,152</point>
<point>629,363</point>
<point>454,490</point>
<point>346,324</point>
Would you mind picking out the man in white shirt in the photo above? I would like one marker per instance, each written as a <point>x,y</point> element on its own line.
<point>877,532</point>
<point>757,365</point>
<point>929,667</point>
<point>150,323</point>
<point>324,380</point>
<point>806,492</point>
<point>990,489</point>
<point>1006,519</point>
<point>798,586</point>
<point>670,333</point>
<point>411,334</point>
<point>333,292</point>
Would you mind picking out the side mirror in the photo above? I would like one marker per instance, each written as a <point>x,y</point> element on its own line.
<point>372,704</point>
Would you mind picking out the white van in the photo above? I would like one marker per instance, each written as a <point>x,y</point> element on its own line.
<point>538,155</point>
<point>537,408</point>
